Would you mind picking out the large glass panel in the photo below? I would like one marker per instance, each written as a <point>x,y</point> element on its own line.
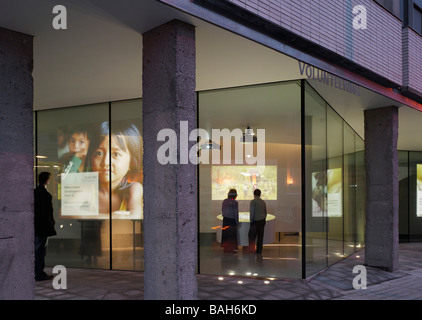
<point>415,196</point>
<point>126,179</point>
<point>404,195</point>
<point>63,142</point>
<point>316,181</point>
<point>360,193</point>
<point>277,109</point>
<point>349,190</point>
<point>335,186</point>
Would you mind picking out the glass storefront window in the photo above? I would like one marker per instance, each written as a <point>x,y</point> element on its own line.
<point>335,185</point>
<point>415,196</point>
<point>349,207</point>
<point>360,193</point>
<point>75,145</point>
<point>277,109</point>
<point>316,181</point>
<point>127,185</point>
<point>95,155</point>
<point>410,196</point>
<point>63,140</point>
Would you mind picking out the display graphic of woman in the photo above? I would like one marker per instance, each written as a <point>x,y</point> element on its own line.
<point>117,157</point>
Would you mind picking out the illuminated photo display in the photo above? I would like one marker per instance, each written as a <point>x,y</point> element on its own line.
<point>327,193</point>
<point>245,179</point>
<point>94,154</point>
<point>419,190</point>
<point>96,159</point>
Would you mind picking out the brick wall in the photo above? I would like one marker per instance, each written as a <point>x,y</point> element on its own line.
<point>329,23</point>
<point>412,59</point>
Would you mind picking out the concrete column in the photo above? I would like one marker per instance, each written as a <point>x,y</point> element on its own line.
<point>16,167</point>
<point>382,188</point>
<point>170,191</point>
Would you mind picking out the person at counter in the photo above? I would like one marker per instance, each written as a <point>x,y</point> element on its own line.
<point>230,210</point>
<point>258,215</point>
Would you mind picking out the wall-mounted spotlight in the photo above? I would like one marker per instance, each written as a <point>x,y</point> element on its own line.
<point>210,145</point>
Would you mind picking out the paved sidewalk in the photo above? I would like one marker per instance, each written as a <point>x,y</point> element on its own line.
<point>336,282</point>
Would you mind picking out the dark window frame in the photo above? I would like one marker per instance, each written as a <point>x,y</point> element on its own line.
<point>417,22</point>
<point>392,6</point>
<point>410,9</point>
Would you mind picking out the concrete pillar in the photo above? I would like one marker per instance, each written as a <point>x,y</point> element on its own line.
<point>16,167</point>
<point>170,191</point>
<point>382,188</point>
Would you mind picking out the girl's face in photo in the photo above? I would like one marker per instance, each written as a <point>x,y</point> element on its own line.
<point>120,161</point>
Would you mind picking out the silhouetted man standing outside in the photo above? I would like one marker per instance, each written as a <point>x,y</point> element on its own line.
<point>43,223</point>
<point>258,215</point>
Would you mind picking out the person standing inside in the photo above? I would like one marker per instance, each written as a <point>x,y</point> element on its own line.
<point>258,215</point>
<point>230,208</point>
<point>43,223</point>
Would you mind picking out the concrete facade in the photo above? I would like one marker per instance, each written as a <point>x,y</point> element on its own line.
<point>170,201</point>
<point>16,157</point>
<point>382,188</point>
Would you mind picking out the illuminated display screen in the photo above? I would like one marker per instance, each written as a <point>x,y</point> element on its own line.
<point>245,179</point>
<point>95,159</point>
<point>419,190</point>
<point>327,193</point>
